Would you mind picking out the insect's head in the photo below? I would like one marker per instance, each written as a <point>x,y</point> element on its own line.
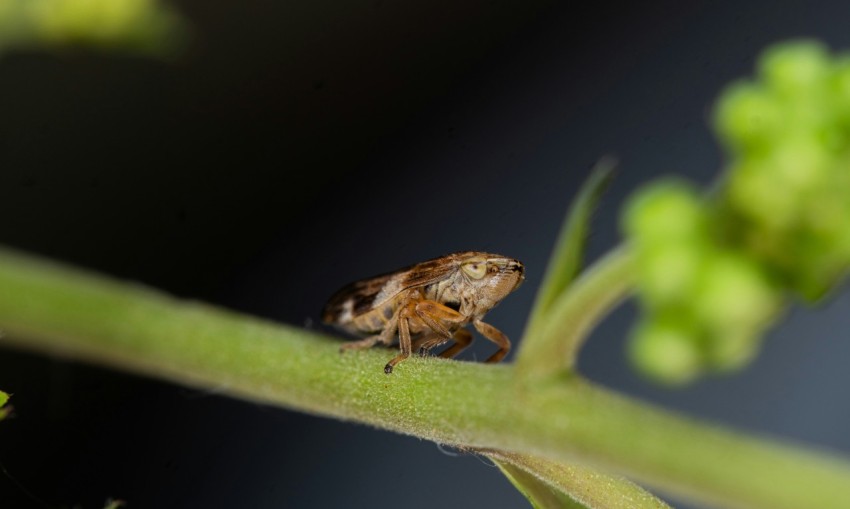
<point>497,275</point>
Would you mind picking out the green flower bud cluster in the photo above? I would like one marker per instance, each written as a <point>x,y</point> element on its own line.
<point>787,190</point>
<point>705,304</point>
<point>714,271</point>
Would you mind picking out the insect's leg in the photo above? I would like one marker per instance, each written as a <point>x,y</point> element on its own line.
<point>424,343</point>
<point>437,310</point>
<point>463,338</point>
<point>428,343</point>
<point>386,337</point>
<point>403,341</point>
<point>388,334</point>
<point>361,344</point>
<point>432,313</point>
<point>496,336</point>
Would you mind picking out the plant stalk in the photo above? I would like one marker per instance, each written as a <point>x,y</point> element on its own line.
<point>551,349</point>
<point>47,307</point>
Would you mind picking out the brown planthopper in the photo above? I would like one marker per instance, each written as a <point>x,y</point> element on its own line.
<point>428,304</point>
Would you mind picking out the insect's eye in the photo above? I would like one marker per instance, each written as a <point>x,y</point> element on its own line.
<point>475,270</point>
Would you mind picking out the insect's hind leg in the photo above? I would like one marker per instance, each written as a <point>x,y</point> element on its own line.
<point>386,337</point>
<point>361,344</point>
<point>426,342</point>
<point>463,338</point>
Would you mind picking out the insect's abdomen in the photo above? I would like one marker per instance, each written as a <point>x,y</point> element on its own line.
<point>373,321</point>
<point>344,314</point>
<point>370,322</point>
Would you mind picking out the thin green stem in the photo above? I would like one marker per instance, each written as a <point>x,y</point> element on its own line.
<point>47,307</point>
<point>552,348</point>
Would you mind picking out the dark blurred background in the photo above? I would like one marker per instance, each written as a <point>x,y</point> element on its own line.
<point>299,145</point>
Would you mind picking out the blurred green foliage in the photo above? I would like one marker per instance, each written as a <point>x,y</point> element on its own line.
<point>114,504</point>
<point>4,410</point>
<point>715,270</point>
<point>146,27</point>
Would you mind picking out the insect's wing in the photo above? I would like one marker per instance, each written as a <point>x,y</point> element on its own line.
<point>429,272</point>
<point>363,296</point>
<point>355,298</point>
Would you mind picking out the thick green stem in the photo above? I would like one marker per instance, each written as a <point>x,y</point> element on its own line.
<point>47,307</point>
<point>552,348</point>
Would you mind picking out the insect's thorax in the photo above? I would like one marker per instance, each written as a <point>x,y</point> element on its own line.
<point>457,293</point>
<point>445,292</point>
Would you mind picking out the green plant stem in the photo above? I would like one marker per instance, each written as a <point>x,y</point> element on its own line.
<point>552,348</point>
<point>587,487</point>
<point>50,308</point>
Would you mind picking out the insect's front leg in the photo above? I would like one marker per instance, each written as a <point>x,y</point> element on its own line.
<point>496,336</point>
<point>434,314</point>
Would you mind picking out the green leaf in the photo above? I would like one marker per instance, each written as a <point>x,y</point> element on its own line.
<point>566,260</point>
<point>550,484</point>
<point>539,494</point>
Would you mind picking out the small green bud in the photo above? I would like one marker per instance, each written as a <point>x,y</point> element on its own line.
<point>667,272</point>
<point>821,261</point>
<point>663,212</point>
<point>799,162</point>
<point>731,349</point>
<point>753,191</point>
<point>829,214</point>
<point>794,68</point>
<point>666,351</point>
<point>748,117</point>
<point>733,294</point>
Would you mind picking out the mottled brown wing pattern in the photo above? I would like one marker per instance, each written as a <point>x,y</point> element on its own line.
<point>429,272</point>
<point>363,294</point>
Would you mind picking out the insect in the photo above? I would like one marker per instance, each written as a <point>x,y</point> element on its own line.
<point>428,304</point>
